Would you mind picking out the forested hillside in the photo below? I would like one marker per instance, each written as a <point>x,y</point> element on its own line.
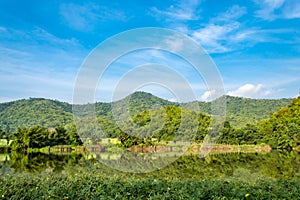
<point>34,112</point>
<point>241,111</point>
<point>50,113</point>
<point>280,130</point>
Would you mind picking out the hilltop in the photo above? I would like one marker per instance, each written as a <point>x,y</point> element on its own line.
<point>50,113</point>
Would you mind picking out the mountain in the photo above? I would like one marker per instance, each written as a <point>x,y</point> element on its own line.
<point>139,102</point>
<point>32,112</point>
<point>241,111</point>
<point>49,113</point>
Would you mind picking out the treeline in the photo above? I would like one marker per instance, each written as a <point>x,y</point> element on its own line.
<point>51,113</point>
<point>281,130</point>
<point>38,137</point>
<point>166,123</point>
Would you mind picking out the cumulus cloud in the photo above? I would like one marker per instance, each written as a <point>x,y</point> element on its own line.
<point>250,91</point>
<point>208,95</point>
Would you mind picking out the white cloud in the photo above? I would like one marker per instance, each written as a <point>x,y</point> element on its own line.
<point>251,91</point>
<point>36,37</point>
<point>225,33</point>
<point>85,17</point>
<point>231,14</point>
<point>185,10</point>
<point>174,43</point>
<point>268,8</point>
<point>274,9</point>
<point>213,36</point>
<point>291,10</point>
<point>219,35</point>
<point>208,95</point>
<point>173,100</point>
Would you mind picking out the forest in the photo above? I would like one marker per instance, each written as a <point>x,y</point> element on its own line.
<point>37,123</point>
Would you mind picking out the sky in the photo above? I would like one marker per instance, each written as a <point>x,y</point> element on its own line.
<point>255,45</point>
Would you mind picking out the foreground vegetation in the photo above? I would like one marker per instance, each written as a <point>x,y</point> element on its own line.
<point>99,186</point>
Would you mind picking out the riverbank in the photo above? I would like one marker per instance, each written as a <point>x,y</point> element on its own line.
<point>164,146</point>
<point>191,148</point>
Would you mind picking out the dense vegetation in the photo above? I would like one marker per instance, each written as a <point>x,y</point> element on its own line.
<point>50,113</point>
<point>91,186</point>
<point>280,130</point>
<point>34,112</point>
<point>38,137</point>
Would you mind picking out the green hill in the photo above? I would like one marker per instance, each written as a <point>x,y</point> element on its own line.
<point>49,113</point>
<point>241,111</point>
<point>32,112</point>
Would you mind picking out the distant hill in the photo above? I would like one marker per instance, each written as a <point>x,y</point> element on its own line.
<point>241,111</point>
<point>32,112</point>
<point>49,113</point>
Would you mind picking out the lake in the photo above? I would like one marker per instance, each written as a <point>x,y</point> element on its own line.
<point>246,166</point>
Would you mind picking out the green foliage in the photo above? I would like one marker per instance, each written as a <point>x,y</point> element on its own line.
<point>282,129</point>
<point>38,137</point>
<point>34,112</point>
<point>167,123</point>
<point>146,112</point>
<point>97,186</point>
<point>248,111</point>
<point>50,113</point>
<point>241,111</point>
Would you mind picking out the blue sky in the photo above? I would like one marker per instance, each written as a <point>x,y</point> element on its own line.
<point>255,43</point>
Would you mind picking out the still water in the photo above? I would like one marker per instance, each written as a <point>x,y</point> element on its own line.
<point>247,166</point>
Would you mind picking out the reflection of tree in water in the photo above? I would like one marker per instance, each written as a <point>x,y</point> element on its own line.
<point>279,165</point>
<point>5,164</point>
<point>245,166</point>
<point>37,162</point>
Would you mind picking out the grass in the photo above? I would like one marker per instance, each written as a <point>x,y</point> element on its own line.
<point>99,186</point>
